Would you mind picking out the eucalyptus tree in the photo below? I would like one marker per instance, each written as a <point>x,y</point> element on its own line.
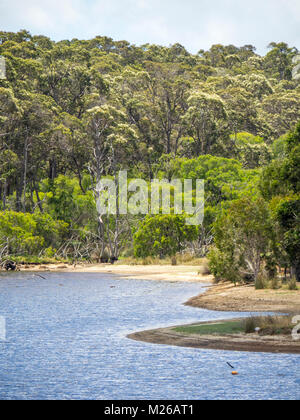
<point>10,118</point>
<point>168,90</point>
<point>257,84</point>
<point>280,185</point>
<point>67,83</point>
<point>281,111</point>
<point>278,62</point>
<point>34,149</point>
<point>8,164</point>
<point>243,235</point>
<point>296,67</point>
<point>109,137</point>
<point>130,92</point>
<point>241,109</point>
<point>205,120</point>
<point>70,142</point>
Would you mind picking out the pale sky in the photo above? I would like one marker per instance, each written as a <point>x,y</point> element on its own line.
<point>196,24</point>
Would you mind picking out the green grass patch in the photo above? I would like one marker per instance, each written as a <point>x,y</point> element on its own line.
<point>230,327</point>
<point>267,325</point>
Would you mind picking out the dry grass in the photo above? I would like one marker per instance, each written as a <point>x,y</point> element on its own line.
<point>204,269</point>
<point>292,284</point>
<point>143,261</point>
<point>269,325</point>
<point>181,259</point>
<point>261,283</point>
<point>276,283</point>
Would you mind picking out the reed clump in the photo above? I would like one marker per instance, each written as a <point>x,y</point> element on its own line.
<point>269,325</point>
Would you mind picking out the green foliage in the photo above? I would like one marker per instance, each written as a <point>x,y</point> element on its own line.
<point>66,201</point>
<point>251,150</point>
<point>291,168</point>
<point>243,234</point>
<point>205,119</point>
<point>279,148</point>
<point>280,183</point>
<point>271,183</point>
<point>225,179</point>
<point>24,233</point>
<point>72,112</point>
<point>222,266</point>
<point>278,62</point>
<point>162,236</point>
<point>288,216</point>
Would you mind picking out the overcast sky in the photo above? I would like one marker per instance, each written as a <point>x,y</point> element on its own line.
<point>196,24</point>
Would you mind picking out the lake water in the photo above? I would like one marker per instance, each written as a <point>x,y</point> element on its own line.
<point>66,339</point>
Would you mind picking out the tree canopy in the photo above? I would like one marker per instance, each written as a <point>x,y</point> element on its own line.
<point>75,111</point>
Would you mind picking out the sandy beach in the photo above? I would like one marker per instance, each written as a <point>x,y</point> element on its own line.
<point>219,297</point>
<point>222,297</point>
<point>226,297</point>
<point>179,273</point>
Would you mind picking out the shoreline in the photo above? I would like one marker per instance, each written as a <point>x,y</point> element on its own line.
<point>169,273</point>
<point>226,297</point>
<point>223,297</point>
<point>230,342</point>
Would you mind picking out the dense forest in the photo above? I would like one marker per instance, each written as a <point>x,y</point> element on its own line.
<point>73,112</point>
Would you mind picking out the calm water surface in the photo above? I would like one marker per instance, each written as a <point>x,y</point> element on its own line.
<point>66,339</point>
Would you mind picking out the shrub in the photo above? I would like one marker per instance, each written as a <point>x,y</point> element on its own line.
<point>174,261</point>
<point>243,234</point>
<point>275,283</point>
<point>292,284</point>
<point>261,283</point>
<point>222,266</point>
<point>204,270</point>
<point>28,234</point>
<point>250,324</point>
<point>162,236</point>
<point>269,325</point>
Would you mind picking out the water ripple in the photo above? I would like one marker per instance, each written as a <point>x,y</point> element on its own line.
<point>66,339</point>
